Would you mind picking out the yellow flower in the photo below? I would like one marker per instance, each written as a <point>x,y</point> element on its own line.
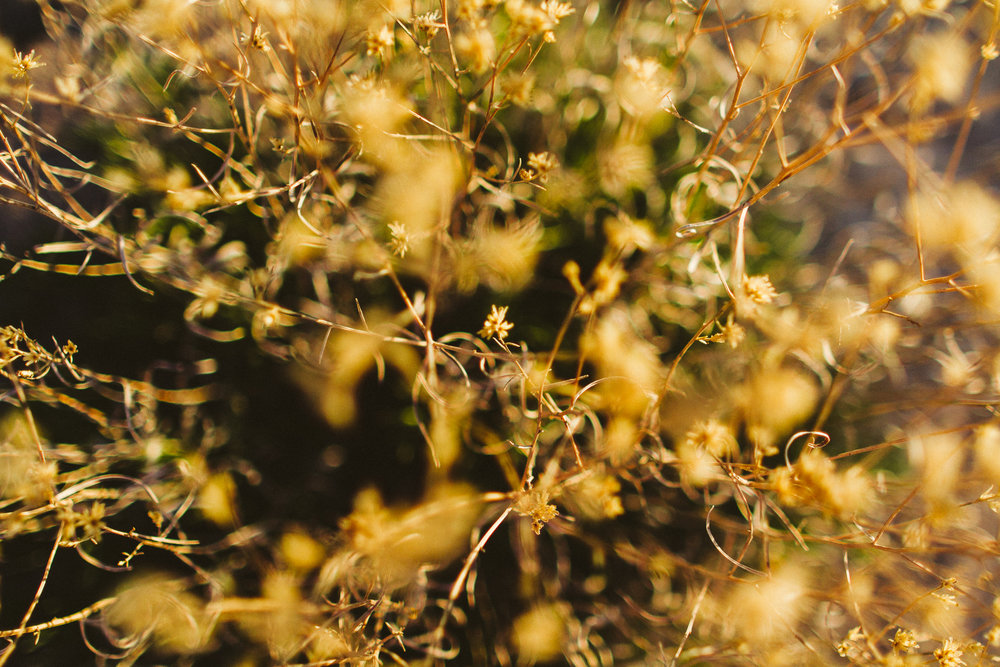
<point>24,63</point>
<point>429,23</point>
<point>400,242</point>
<point>539,166</point>
<point>535,505</point>
<point>496,324</point>
<point>904,642</point>
<point>950,653</point>
<point>376,42</point>
<point>759,289</point>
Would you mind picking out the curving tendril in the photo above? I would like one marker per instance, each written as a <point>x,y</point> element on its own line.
<point>693,229</point>
<point>824,440</point>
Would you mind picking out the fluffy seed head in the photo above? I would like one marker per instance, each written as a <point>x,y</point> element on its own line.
<point>941,64</point>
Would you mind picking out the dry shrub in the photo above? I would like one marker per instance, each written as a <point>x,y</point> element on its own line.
<point>622,332</point>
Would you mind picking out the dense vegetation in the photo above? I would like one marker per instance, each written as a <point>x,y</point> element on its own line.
<point>500,332</point>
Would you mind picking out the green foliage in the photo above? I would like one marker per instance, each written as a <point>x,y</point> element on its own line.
<point>501,332</point>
